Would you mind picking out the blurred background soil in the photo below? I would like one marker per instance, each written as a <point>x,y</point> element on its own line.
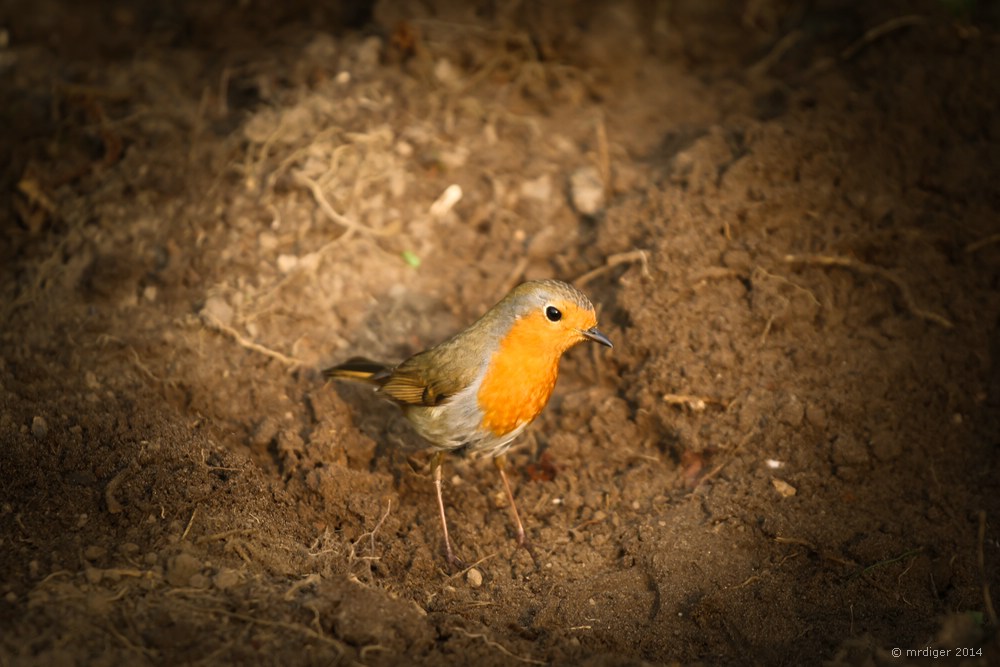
<point>785,211</point>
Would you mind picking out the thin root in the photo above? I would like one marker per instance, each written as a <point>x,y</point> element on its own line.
<point>299,585</point>
<point>472,565</point>
<point>295,627</point>
<point>190,523</point>
<point>492,644</point>
<point>982,243</point>
<point>214,323</point>
<point>613,261</point>
<point>339,218</point>
<point>371,536</point>
<point>114,507</point>
<point>879,272</point>
<point>870,37</point>
<point>778,51</point>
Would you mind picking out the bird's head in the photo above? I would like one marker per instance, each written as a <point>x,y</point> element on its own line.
<point>556,314</point>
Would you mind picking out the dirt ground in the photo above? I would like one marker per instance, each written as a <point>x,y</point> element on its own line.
<point>786,212</point>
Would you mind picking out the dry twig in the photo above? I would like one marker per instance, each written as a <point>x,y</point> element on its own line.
<point>693,403</point>
<point>190,523</point>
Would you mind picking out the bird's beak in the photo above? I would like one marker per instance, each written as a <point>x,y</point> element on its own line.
<point>596,336</point>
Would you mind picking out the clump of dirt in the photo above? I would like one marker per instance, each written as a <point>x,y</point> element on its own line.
<point>786,215</point>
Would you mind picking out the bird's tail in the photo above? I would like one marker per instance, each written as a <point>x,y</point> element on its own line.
<point>361,370</point>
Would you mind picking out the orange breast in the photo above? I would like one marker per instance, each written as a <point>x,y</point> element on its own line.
<point>520,377</point>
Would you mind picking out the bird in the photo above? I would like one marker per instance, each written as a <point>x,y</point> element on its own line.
<point>479,389</point>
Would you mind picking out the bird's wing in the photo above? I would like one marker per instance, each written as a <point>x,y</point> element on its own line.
<point>426,379</point>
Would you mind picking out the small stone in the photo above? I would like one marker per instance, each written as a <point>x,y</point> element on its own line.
<point>216,311</point>
<point>784,489</point>
<point>446,201</point>
<point>149,293</point>
<point>539,189</point>
<point>266,431</point>
<point>93,552</point>
<point>447,73</point>
<point>10,598</point>
<point>886,447</point>
<point>226,578</point>
<point>268,241</point>
<point>39,427</point>
<point>128,548</point>
<point>816,416</point>
<point>287,263</point>
<point>791,411</point>
<point>181,568</point>
<point>93,575</point>
<point>198,581</point>
<point>404,148</point>
<point>368,55</point>
<point>475,578</point>
<point>848,450</point>
<point>587,190</point>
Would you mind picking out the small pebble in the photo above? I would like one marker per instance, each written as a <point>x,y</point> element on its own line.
<point>181,568</point>
<point>475,578</point>
<point>129,548</point>
<point>587,190</point>
<point>785,489</point>
<point>93,552</point>
<point>93,575</point>
<point>446,201</point>
<point>39,427</point>
<point>216,311</point>
<point>287,263</point>
<point>226,578</point>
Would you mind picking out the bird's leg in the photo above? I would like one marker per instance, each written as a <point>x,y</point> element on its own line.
<point>522,539</point>
<point>449,554</point>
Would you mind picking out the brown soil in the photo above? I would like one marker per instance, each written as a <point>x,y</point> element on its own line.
<point>792,455</point>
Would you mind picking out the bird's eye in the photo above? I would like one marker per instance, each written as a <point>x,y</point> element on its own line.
<point>553,314</point>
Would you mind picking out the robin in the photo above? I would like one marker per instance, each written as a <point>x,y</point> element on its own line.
<point>482,387</point>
